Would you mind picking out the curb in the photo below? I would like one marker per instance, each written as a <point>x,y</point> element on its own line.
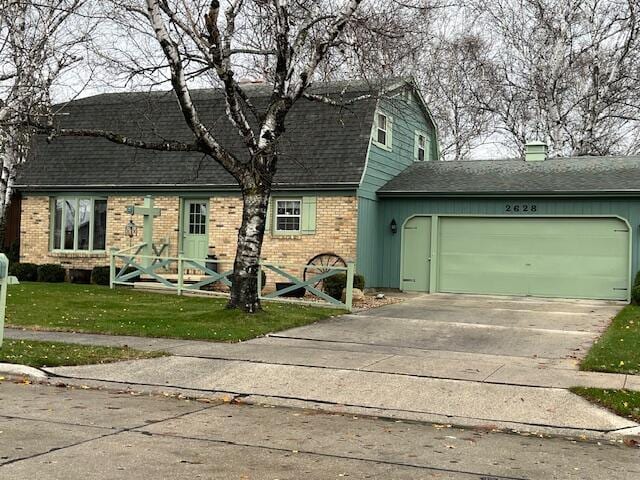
<point>22,371</point>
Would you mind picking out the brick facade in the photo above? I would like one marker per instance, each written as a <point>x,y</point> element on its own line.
<point>36,223</point>
<point>336,224</point>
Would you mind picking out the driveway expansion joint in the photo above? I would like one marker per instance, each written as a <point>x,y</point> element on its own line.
<point>493,373</point>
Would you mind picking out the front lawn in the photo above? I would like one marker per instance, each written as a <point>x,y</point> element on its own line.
<point>123,311</point>
<point>622,402</point>
<point>618,350</point>
<point>55,354</point>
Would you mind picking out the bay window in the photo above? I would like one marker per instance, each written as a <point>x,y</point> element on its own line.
<point>79,224</point>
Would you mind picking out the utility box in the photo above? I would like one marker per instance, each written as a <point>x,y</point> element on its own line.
<point>5,281</point>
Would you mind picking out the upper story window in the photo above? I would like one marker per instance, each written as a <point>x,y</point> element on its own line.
<point>382,131</point>
<point>421,147</point>
<point>288,216</point>
<point>79,224</point>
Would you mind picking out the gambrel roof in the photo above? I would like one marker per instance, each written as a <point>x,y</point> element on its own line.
<point>554,176</point>
<point>324,146</point>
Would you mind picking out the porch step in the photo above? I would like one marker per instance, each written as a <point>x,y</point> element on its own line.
<point>158,287</point>
<point>173,277</point>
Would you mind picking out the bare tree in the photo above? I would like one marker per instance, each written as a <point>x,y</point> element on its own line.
<point>202,42</point>
<point>567,72</point>
<point>37,45</point>
<point>457,79</point>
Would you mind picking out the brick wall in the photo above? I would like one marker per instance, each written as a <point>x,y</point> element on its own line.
<point>336,222</point>
<point>35,230</point>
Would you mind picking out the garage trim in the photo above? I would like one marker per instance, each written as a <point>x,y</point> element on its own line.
<point>435,221</point>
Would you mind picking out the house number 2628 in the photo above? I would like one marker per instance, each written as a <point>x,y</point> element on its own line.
<point>517,208</point>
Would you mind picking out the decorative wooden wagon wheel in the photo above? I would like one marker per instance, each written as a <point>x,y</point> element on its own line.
<point>320,264</point>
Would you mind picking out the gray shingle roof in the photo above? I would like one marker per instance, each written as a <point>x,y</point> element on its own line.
<point>578,175</point>
<point>323,146</point>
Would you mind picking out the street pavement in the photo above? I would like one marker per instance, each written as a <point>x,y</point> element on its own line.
<point>60,432</point>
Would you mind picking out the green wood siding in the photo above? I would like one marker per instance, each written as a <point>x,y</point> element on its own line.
<point>382,166</point>
<point>369,241</point>
<point>400,209</point>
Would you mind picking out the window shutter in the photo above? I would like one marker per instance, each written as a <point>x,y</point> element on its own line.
<point>308,226</point>
<point>268,224</point>
<point>390,132</point>
<point>374,129</point>
<point>416,140</point>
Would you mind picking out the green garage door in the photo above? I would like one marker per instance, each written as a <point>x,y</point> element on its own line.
<point>548,257</point>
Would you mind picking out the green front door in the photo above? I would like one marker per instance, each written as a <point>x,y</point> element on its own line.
<point>195,230</point>
<point>416,261</point>
<point>547,257</point>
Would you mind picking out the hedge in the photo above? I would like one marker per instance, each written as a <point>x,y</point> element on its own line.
<point>25,272</point>
<point>51,273</point>
<point>334,284</point>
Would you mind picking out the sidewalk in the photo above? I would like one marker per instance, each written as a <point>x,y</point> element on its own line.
<point>397,361</point>
<point>404,383</point>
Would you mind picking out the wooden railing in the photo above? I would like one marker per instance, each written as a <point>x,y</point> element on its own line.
<point>128,267</point>
<point>309,284</point>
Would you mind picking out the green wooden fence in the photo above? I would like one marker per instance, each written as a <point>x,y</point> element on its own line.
<point>5,281</point>
<point>184,275</point>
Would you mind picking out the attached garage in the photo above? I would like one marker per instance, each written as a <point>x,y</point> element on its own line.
<point>563,227</point>
<point>573,257</point>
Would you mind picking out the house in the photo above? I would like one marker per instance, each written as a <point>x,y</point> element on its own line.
<point>76,190</point>
<point>360,182</point>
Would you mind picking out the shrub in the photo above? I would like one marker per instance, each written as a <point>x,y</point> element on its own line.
<point>13,252</point>
<point>635,295</point>
<point>100,275</point>
<point>636,281</point>
<point>80,275</point>
<point>51,273</point>
<point>25,272</point>
<point>334,284</point>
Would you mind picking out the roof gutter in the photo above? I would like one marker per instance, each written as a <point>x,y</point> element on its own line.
<point>185,187</point>
<point>589,193</point>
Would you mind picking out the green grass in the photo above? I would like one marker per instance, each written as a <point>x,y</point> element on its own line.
<point>622,402</point>
<point>123,311</point>
<point>55,354</point>
<point>618,350</point>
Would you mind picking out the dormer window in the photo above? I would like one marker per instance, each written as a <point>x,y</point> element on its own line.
<point>382,134</point>
<point>420,152</point>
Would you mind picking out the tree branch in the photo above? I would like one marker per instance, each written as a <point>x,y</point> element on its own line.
<point>209,144</point>
<point>165,146</point>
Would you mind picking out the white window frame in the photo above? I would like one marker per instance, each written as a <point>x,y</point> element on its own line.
<point>277,231</point>
<point>388,130</point>
<point>75,200</point>
<point>416,152</point>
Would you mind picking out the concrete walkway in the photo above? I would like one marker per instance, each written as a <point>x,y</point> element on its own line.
<point>436,364</point>
<point>451,359</point>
